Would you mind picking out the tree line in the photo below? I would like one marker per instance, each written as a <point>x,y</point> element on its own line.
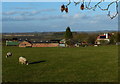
<point>72,38</point>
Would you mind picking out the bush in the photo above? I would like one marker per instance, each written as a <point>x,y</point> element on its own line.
<point>70,42</point>
<point>104,42</point>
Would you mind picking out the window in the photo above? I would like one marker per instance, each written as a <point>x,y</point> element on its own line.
<point>102,37</point>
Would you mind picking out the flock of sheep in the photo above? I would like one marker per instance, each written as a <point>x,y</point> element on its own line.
<point>22,60</point>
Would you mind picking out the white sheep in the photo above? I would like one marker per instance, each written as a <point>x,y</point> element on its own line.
<point>8,54</point>
<point>23,60</point>
<point>95,45</point>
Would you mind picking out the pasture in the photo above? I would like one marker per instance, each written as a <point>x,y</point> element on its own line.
<point>90,64</point>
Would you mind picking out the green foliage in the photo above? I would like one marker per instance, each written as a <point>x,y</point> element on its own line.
<point>91,38</point>
<point>69,37</point>
<point>68,34</point>
<point>70,42</point>
<point>112,39</point>
<point>117,37</point>
<point>104,42</point>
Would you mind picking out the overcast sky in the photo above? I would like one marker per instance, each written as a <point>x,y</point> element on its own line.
<point>47,17</point>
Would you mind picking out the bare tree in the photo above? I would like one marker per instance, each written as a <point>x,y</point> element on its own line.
<point>87,5</point>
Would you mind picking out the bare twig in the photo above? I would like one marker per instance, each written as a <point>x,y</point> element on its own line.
<point>115,13</point>
<point>89,7</point>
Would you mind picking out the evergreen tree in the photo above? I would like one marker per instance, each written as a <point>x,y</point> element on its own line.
<point>68,34</point>
<point>68,37</point>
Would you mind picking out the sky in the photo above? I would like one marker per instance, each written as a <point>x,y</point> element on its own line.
<point>47,17</point>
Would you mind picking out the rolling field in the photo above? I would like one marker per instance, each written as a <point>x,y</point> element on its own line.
<point>90,64</point>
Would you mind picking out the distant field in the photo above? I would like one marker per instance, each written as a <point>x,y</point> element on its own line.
<point>90,64</point>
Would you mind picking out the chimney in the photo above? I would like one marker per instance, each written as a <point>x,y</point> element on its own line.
<point>106,35</point>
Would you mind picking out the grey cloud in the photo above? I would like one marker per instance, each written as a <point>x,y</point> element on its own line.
<point>24,8</point>
<point>16,18</point>
<point>48,10</point>
<point>9,13</point>
<point>27,13</point>
<point>26,18</point>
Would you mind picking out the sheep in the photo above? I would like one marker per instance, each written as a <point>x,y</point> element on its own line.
<point>8,54</point>
<point>95,45</point>
<point>23,60</point>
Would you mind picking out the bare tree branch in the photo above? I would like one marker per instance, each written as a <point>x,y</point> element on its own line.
<point>97,5</point>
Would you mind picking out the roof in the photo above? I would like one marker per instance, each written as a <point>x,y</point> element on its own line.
<point>55,40</point>
<point>51,41</point>
<point>102,37</point>
<point>25,41</point>
<point>12,43</point>
<point>62,40</point>
<point>44,42</point>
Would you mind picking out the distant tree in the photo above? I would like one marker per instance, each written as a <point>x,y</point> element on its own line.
<point>118,37</point>
<point>91,38</point>
<point>68,34</point>
<point>112,39</point>
<point>104,42</point>
<point>69,37</point>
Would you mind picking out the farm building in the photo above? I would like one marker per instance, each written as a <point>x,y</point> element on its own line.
<point>25,44</point>
<point>44,44</point>
<point>62,43</point>
<point>38,44</point>
<point>55,41</point>
<point>104,37</point>
<point>12,43</point>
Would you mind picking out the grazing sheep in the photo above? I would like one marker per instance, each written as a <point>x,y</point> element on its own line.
<point>8,54</point>
<point>23,60</point>
<point>95,45</point>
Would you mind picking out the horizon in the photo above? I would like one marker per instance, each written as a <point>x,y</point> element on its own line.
<point>64,31</point>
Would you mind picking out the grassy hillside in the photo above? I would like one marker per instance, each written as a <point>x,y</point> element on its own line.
<point>90,64</point>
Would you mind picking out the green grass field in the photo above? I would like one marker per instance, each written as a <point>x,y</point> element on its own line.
<point>90,64</point>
